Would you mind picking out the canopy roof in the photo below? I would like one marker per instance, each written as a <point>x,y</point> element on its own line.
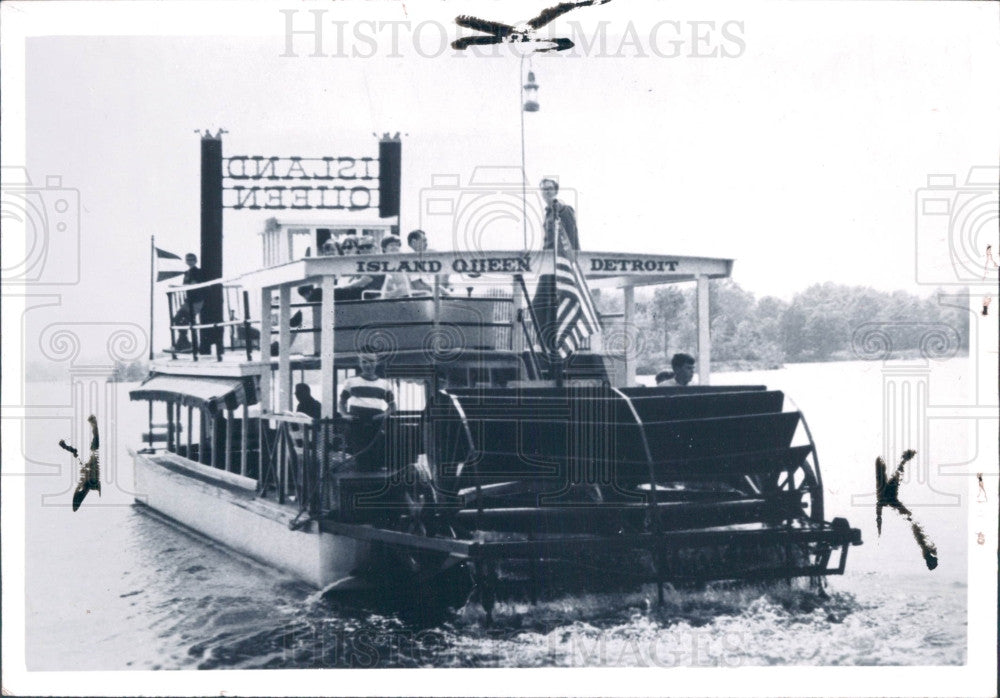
<point>208,393</point>
<point>600,268</point>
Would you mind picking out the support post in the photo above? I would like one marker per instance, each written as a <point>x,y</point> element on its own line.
<point>243,440</point>
<point>704,333</point>
<point>190,432</point>
<point>170,427</point>
<point>629,312</point>
<point>246,326</point>
<point>229,440</point>
<point>284,347</point>
<point>327,348</point>
<point>151,446</point>
<point>517,343</point>
<point>212,438</point>
<point>265,350</point>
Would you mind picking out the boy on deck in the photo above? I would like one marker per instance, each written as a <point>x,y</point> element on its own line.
<point>366,400</point>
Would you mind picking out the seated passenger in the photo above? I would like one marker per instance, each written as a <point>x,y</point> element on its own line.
<point>683,365</point>
<point>417,240</point>
<point>348,288</point>
<point>396,284</point>
<point>307,403</point>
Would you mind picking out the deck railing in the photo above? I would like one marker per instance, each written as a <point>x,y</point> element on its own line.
<point>236,331</point>
<point>292,447</point>
<point>301,457</point>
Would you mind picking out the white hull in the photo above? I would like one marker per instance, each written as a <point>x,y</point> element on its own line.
<point>223,507</point>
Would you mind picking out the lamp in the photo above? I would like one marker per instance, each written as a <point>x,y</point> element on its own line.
<point>531,93</point>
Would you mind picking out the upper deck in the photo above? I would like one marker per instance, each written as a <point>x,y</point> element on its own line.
<point>479,310</point>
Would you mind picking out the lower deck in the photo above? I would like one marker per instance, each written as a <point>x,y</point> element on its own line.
<point>226,508</point>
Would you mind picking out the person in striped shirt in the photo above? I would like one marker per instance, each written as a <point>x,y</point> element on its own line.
<point>366,400</point>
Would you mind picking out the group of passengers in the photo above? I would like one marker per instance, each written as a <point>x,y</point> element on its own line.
<point>366,286</point>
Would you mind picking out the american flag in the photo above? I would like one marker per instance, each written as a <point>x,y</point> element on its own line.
<point>576,314</point>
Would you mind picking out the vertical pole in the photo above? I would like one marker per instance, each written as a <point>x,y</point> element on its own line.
<point>524,171</point>
<point>194,342</point>
<point>152,288</point>
<point>151,425</point>
<point>211,437</point>
<point>328,348</point>
<point>555,361</point>
<point>283,446</point>
<point>246,326</point>
<point>170,426</point>
<point>190,434</point>
<point>265,350</point>
<point>517,343</point>
<point>326,326</point>
<point>629,292</point>
<point>229,441</point>
<point>170,323</point>
<point>243,439</point>
<point>704,333</point>
<point>284,347</point>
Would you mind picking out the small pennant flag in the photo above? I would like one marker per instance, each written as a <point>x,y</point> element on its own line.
<point>163,254</point>
<point>164,275</point>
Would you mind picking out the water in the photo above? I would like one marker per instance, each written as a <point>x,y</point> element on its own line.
<point>112,587</point>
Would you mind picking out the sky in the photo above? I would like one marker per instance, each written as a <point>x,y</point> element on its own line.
<point>793,138</point>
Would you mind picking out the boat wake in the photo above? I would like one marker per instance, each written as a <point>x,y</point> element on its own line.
<point>772,624</point>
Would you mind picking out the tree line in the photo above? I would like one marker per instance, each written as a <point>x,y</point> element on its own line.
<point>825,322</point>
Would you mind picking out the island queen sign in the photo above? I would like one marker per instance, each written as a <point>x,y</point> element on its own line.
<point>280,183</point>
<point>592,264</point>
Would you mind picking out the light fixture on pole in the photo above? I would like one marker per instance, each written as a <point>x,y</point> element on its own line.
<point>529,102</point>
<point>531,93</point>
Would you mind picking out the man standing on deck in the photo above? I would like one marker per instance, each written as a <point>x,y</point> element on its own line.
<point>366,400</point>
<point>194,300</point>
<point>560,235</point>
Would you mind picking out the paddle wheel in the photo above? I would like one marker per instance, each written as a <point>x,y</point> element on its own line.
<point>556,488</point>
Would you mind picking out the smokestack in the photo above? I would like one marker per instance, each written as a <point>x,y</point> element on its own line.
<point>211,235</point>
<point>390,156</point>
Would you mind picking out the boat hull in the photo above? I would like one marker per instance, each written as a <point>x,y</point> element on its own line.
<point>223,507</point>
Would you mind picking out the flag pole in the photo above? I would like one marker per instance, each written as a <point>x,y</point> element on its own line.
<point>152,287</point>
<point>524,173</point>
